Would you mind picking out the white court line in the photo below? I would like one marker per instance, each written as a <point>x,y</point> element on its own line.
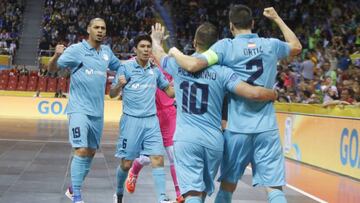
<point>306,194</point>
<point>300,191</point>
<point>48,141</point>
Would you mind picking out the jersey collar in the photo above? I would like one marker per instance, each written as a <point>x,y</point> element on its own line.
<point>87,45</point>
<point>252,35</point>
<point>148,65</point>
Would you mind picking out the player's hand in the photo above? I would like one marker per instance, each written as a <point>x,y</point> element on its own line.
<point>59,49</point>
<point>173,51</point>
<point>122,80</point>
<point>276,95</point>
<point>271,13</point>
<point>157,33</point>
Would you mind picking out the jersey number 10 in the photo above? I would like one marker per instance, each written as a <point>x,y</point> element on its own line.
<point>190,91</point>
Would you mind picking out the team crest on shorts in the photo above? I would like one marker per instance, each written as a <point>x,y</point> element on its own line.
<point>105,57</point>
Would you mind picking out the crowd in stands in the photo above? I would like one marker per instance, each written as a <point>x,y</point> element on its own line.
<point>11,15</point>
<point>65,21</point>
<point>328,70</point>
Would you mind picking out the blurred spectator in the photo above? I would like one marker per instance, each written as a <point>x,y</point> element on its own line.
<point>330,91</point>
<point>307,67</point>
<point>42,71</point>
<point>14,71</point>
<point>329,72</point>
<point>65,20</point>
<point>11,14</point>
<point>23,70</point>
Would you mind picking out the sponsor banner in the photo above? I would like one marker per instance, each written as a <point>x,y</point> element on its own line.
<point>49,108</point>
<point>44,60</point>
<point>329,143</point>
<point>5,60</point>
<point>350,111</point>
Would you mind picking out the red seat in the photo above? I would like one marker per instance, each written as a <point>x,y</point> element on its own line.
<point>68,85</point>
<point>62,84</point>
<point>34,73</point>
<point>12,83</point>
<point>32,84</point>
<point>5,72</point>
<point>4,78</point>
<point>42,83</point>
<point>23,80</point>
<point>51,85</point>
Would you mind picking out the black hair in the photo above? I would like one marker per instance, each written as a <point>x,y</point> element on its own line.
<point>140,38</point>
<point>241,16</point>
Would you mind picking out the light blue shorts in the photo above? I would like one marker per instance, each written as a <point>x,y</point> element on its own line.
<point>262,150</point>
<point>139,136</point>
<point>85,131</point>
<point>196,167</point>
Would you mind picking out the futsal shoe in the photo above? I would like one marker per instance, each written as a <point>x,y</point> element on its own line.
<point>130,183</point>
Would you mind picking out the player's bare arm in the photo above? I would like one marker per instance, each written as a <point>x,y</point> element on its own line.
<point>289,35</point>
<point>189,63</point>
<point>255,92</point>
<point>59,49</point>
<point>169,90</point>
<point>114,91</point>
<point>157,35</point>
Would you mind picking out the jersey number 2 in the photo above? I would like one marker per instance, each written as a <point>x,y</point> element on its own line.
<point>190,107</point>
<point>259,65</point>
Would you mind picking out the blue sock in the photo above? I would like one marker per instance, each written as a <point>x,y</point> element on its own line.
<point>80,167</point>
<point>160,182</point>
<point>223,196</point>
<point>193,199</point>
<point>121,176</point>
<point>276,196</point>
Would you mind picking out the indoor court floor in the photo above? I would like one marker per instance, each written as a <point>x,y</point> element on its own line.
<point>35,158</point>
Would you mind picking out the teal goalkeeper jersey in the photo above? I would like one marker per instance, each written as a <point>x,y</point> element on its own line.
<point>199,99</point>
<point>254,59</point>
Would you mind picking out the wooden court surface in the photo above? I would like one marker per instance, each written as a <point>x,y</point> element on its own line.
<point>35,158</point>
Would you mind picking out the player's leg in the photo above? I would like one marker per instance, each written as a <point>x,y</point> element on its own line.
<point>190,166</point>
<point>237,149</point>
<point>138,164</point>
<point>82,140</point>
<point>153,146</point>
<point>167,121</point>
<point>212,161</point>
<point>269,166</point>
<point>127,149</point>
<point>121,175</point>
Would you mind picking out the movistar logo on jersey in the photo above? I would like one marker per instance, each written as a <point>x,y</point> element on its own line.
<point>137,86</point>
<point>90,71</point>
<point>105,57</point>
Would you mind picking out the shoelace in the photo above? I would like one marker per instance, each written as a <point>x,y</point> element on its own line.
<point>132,179</point>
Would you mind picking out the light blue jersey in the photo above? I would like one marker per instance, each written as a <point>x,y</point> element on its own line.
<point>88,76</point>
<point>199,99</point>
<point>255,60</point>
<point>139,93</point>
